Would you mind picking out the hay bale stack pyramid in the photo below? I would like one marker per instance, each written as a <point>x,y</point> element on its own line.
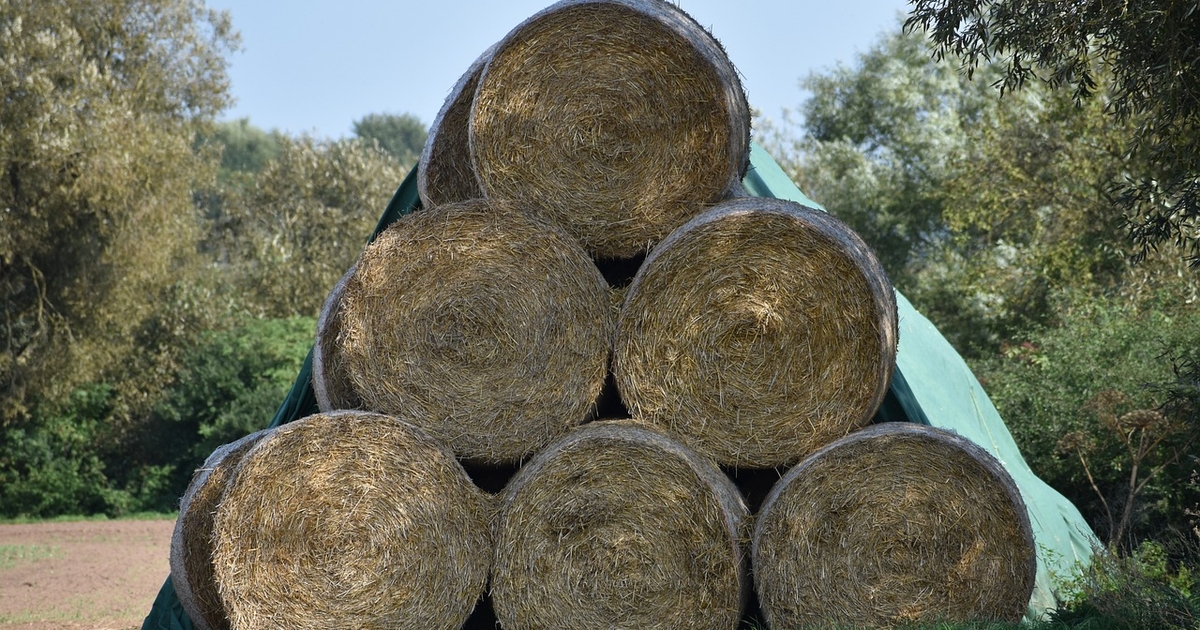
<point>480,331</point>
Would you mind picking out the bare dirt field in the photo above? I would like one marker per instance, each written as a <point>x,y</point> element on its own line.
<point>81,575</point>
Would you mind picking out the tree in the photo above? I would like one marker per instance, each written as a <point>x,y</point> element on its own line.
<point>101,102</point>
<point>983,210</point>
<point>286,238</point>
<point>400,135</point>
<point>879,139</point>
<point>244,147</point>
<point>1149,49</point>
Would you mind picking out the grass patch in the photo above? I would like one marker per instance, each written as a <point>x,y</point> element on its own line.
<point>13,555</point>
<point>134,516</point>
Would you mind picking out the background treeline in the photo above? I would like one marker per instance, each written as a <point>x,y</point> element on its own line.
<point>160,272</point>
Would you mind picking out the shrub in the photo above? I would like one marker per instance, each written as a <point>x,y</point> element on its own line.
<point>1086,403</point>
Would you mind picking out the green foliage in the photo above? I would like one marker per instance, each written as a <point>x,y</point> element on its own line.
<point>286,239</point>
<point>52,466</point>
<point>880,137</point>
<point>67,460</point>
<point>401,135</point>
<point>1149,49</point>
<point>232,383</point>
<point>244,147</point>
<point>1027,211</point>
<point>1144,589</point>
<point>1076,399</point>
<point>101,101</point>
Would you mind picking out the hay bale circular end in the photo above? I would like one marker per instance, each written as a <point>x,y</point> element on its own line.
<point>191,541</point>
<point>487,328</point>
<point>618,119</point>
<point>617,526</point>
<point>895,524</point>
<point>350,519</point>
<point>758,332</point>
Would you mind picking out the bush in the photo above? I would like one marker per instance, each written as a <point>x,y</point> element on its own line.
<point>71,459</point>
<point>1086,403</point>
<point>231,384</point>
<point>1139,590</point>
<point>51,466</point>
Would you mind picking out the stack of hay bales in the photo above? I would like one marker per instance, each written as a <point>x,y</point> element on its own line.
<point>757,333</point>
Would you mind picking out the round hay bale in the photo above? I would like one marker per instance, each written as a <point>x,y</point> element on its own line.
<point>893,525</point>
<point>330,380</point>
<point>757,333</point>
<point>350,520</point>
<point>487,328</point>
<point>444,172</point>
<point>617,526</point>
<point>191,541</point>
<point>618,119</point>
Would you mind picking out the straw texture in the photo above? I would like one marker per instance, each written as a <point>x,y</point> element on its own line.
<point>618,119</point>
<point>445,173</point>
<point>487,328</point>
<point>331,376</point>
<point>350,520</point>
<point>191,541</point>
<point>758,332</point>
<point>896,524</point>
<point>617,526</point>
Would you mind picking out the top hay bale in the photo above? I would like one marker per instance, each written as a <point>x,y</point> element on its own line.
<point>618,526</point>
<point>487,328</point>
<point>350,520</point>
<point>894,525</point>
<point>757,333</point>
<point>618,119</point>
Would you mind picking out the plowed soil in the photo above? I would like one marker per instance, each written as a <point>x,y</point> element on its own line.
<point>81,575</point>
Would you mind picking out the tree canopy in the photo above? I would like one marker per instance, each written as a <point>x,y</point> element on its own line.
<point>400,135</point>
<point>1139,57</point>
<point>101,102</point>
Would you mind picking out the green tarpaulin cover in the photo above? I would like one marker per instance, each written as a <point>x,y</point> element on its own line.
<point>932,386</point>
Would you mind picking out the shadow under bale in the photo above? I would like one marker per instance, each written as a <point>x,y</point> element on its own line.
<point>351,520</point>
<point>618,526</point>
<point>895,524</point>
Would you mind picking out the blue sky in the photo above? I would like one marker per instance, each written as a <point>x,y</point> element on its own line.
<point>315,66</point>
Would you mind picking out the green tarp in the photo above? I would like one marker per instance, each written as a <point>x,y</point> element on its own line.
<point>932,386</point>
